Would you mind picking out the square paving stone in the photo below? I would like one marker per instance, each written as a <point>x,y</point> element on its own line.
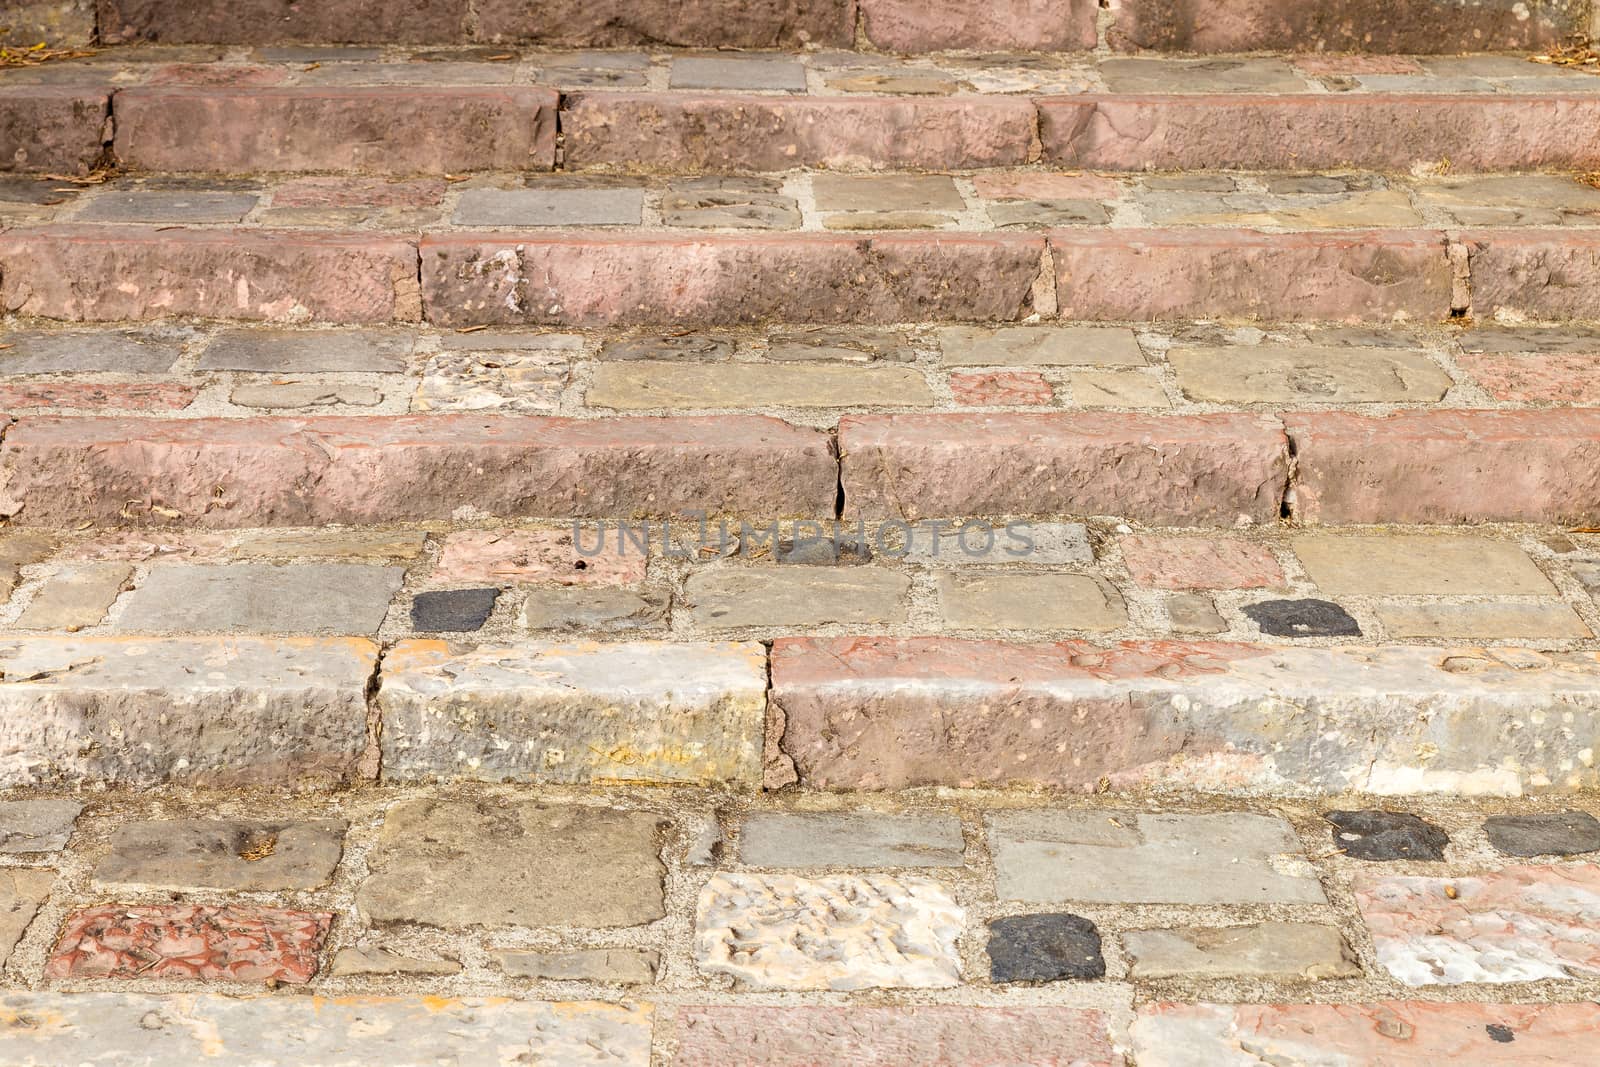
<point>515,863</point>
<point>1386,835</point>
<point>452,610</point>
<point>1279,374</point>
<point>850,839</point>
<point>37,825</point>
<point>80,351</point>
<point>1276,951</point>
<point>1556,833</point>
<point>1039,346</point>
<point>246,856</point>
<point>309,351</point>
<point>1124,857</point>
<point>1302,618</point>
<point>550,207</point>
<point>1201,76</point>
<point>1044,948</point>
<point>886,192</point>
<point>729,203</point>
<point>153,205</point>
<point>1030,602</point>
<point>1419,565</point>
<point>339,598</point>
<point>1195,613</point>
<point>564,608</point>
<point>777,73</point>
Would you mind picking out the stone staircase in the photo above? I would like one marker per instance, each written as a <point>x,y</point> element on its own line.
<point>799,532</point>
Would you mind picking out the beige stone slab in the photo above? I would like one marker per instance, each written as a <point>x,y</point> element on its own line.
<point>1279,951</point>
<point>1030,602</point>
<point>624,966</point>
<point>1371,208</point>
<point>330,544</point>
<point>731,597</point>
<point>1277,374</point>
<point>1483,620</point>
<point>21,893</point>
<point>1039,346</point>
<point>1115,389</point>
<point>1419,565</point>
<point>79,596</point>
<point>645,385</point>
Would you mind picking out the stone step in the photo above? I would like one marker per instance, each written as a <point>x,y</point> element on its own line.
<point>287,111</point>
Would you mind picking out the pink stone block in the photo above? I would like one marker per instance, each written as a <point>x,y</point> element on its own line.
<point>1181,273</point>
<point>52,129</point>
<point>994,25</point>
<point>1001,388</point>
<point>105,273</point>
<point>442,129</point>
<point>1447,466</point>
<point>728,1035</point>
<point>190,941</point>
<point>545,557</point>
<point>688,132</point>
<point>359,192</point>
<point>1540,274</point>
<point>1550,378</point>
<point>90,396</point>
<point>1161,469</point>
<point>1200,563</point>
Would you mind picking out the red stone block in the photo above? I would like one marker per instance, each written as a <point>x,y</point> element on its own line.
<point>366,129</point>
<point>273,21</point>
<point>107,273</point>
<point>688,132</point>
<point>191,941</point>
<point>1001,388</point>
<point>994,25</point>
<point>88,396</point>
<point>1200,563</point>
<point>1163,469</point>
<point>1547,378</point>
<point>696,23</point>
<point>1539,274</point>
<point>52,129</point>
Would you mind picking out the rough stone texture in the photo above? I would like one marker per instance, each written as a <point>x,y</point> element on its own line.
<point>377,962</point>
<point>650,279</point>
<point>106,273</point>
<point>338,598</point>
<point>644,385</point>
<point>88,351</point>
<point>1485,621</point>
<point>838,933</point>
<point>62,23</point>
<point>356,129</point>
<point>1447,466</point>
<point>1540,274</point>
<point>1178,471</point>
<point>1419,565</point>
<point>514,863</point>
<point>1321,131</point>
<point>97,396</point>
<point>1386,835</point>
<point>707,23</point>
<point>76,597</point>
<point>585,609</point>
<point>1302,618</point>
<point>346,1031</point>
<point>1276,951</point>
<point>330,192</point>
<point>625,966</point>
<point>1048,857</point>
<point>730,598</point>
<point>172,206</point>
<point>51,129</point>
<point>737,203</point>
<point>267,351</point>
<point>506,382</point>
<point>1001,389</point>
<point>222,473</point>
<point>270,21</point>
<point>1393,1033</point>
<point>1271,374</point>
<point>223,854</point>
<point>1549,378</point>
<point>1556,833</point>
<point>1038,346</point>
<point>1173,274</point>
<point>712,133</point>
<point>1520,924</point>
<point>297,396</point>
<point>36,825</point>
<point>452,610</point>
<point>21,893</point>
<point>545,557</point>
<point>1005,26</point>
<point>1030,602</point>
<point>888,713</point>
<point>237,943</point>
<point>672,712</point>
<point>1194,613</point>
<point>1044,948</point>
<point>850,839</point>
<point>1200,563</point>
<point>138,712</point>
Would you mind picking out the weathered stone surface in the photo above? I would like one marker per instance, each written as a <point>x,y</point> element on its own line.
<point>1540,274</point>
<point>850,839</point>
<point>231,1031</point>
<point>1030,602</point>
<point>571,556</point>
<point>1277,951</point>
<point>309,351</point>
<point>21,893</point>
<point>106,273</point>
<point>837,933</point>
<point>1178,470</point>
<point>559,206</point>
<point>266,21</point>
<point>219,711</point>
<point>329,544</point>
<point>36,825</point>
<point>715,133</point>
<point>584,609</point>
<point>1556,833</point>
<point>1550,378</point>
<point>1575,340</point>
<point>1520,924</point>
<point>377,962</point>
<point>1419,565</point>
<point>757,72</point>
<point>733,597</point>
<point>334,192</point>
<point>1272,374</point>
<point>341,598</point>
<point>707,23</point>
<point>1007,26</point>
<point>726,279</point>
<point>1302,618</point>
<point>892,713</point>
<point>452,610</point>
<point>299,396</point>
<point>624,966</point>
<point>1386,835</point>
<point>673,712</point>
<point>514,863</point>
<point>1115,389</point>
<point>191,941</point>
<point>163,205</point>
<point>1194,613</point>
<point>191,854</point>
<point>886,193</point>
<point>98,396</point>
<point>1297,208</point>
<point>1038,346</point>
<point>1045,543</point>
<point>362,129</point>
<point>75,351</point>
<point>851,344</point>
<point>1044,948</point>
<point>1447,466</point>
<point>1243,74</point>
<point>1001,389</point>
<point>1048,857</point>
<point>1523,200</point>
<point>76,597</point>
<point>253,472</point>
<point>1200,563</point>
<point>1486,620</point>
<point>731,203</point>
<point>52,129</point>
<point>644,385</point>
<point>61,22</point>
<point>681,345</point>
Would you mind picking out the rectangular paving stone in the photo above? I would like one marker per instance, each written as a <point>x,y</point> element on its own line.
<point>205,711</point>
<point>1051,857</point>
<point>309,351</point>
<point>881,713</point>
<point>506,382</point>
<point>1020,541</point>
<point>237,943</point>
<point>1523,200</point>
<point>1419,565</point>
<point>688,713</point>
<point>1273,374</point>
<point>1549,378</point>
<point>451,864</point>
<point>97,396</point>
<point>22,891</point>
<point>1551,340</point>
<point>549,207</point>
<point>585,609</point>
<point>1115,389</point>
<point>1276,951</point>
<point>625,966</point>
<point>1030,602</point>
<point>861,839</point>
<point>226,473</point>
<point>235,855</point>
<point>728,598</point>
<point>1162,75</point>
<point>634,386</point>
<point>1169,470</point>
<point>76,597</point>
<point>1038,346</point>
<point>378,962</point>
<point>330,544</point>
<point>344,1031</point>
<point>1165,562</point>
<point>577,556</point>
<point>722,202</point>
<point>43,825</point>
<point>78,351</point>
<point>345,598</point>
<point>886,192</point>
<point>942,1035</point>
<point>738,72</point>
<point>1484,621</point>
<point>159,205</point>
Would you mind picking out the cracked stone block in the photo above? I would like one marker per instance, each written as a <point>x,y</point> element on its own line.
<point>247,856</point>
<point>308,352</point>
<point>735,597</point>
<point>595,206</point>
<point>21,893</point>
<point>738,72</point>
<point>623,966</point>
<point>1386,835</point>
<point>1030,602</point>
<point>1556,833</point>
<point>1520,924</point>
<point>1044,948</point>
<point>1275,951</point>
<point>851,839</point>
<point>837,933</point>
<point>1419,565</point>
<point>452,610</point>
<point>1270,374</point>
<point>515,863</point>
<point>347,598</point>
<point>36,825</point>
<point>237,943</point>
<point>1200,563</point>
<point>77,597</point>
<point>1302,618</point>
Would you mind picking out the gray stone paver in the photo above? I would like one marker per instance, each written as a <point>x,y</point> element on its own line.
<point>846,839</point>
<point>346,598</point>
<point>251,856</point>
<point>550,207</point>
<point>267,351</point>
